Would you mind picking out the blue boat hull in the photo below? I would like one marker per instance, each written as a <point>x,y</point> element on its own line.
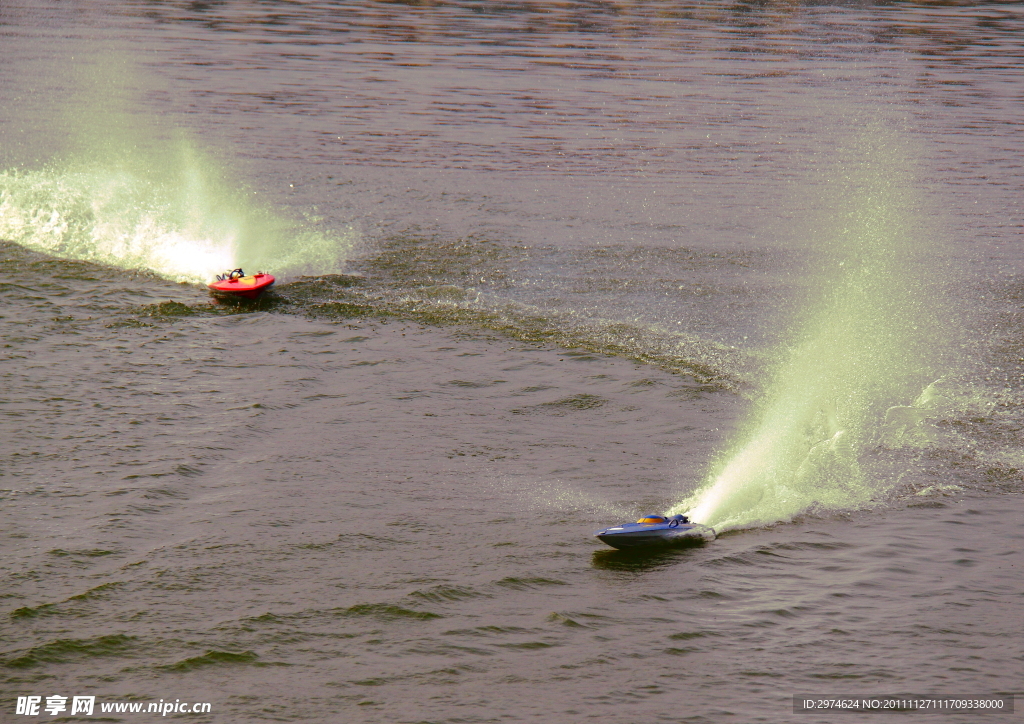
<point>643,535</point>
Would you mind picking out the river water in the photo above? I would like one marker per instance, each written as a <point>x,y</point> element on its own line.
<point>542,267</point>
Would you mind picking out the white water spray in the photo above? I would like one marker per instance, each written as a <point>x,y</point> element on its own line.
<point>124,189</point>
<point>872,342</point>
<point>112,217</point>
<point>180,222</point>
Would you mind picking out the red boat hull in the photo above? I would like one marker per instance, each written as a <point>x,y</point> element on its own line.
<point>249,287</point>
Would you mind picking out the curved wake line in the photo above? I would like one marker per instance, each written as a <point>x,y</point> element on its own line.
<point>341,296</point>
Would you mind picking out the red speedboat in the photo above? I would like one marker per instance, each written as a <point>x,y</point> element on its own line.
<point>235,284</point>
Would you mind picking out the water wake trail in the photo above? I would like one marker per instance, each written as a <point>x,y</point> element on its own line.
<point>872,341</point>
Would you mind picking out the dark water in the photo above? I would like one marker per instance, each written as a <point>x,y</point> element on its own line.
<point>543,267</point>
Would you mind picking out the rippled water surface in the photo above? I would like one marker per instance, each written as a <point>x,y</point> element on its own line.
<point>542,267</point>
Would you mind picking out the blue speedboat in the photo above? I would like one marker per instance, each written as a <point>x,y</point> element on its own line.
<point>655,530</point>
